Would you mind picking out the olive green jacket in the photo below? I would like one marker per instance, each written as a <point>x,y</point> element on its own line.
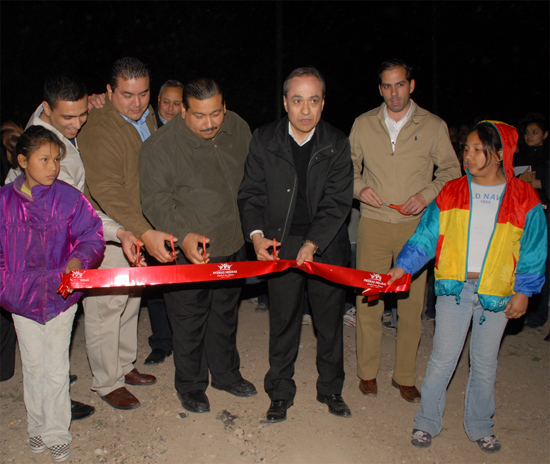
<point>189,184</point>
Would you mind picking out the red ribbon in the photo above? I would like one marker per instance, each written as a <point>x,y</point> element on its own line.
<point>372,283</point>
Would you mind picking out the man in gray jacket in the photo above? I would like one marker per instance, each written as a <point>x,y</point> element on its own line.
<point>190,173</point>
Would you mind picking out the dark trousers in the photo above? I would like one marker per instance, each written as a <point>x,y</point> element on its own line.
<point>161,338</point>
<point>7,345</point>
<point>204,320</point>
<point>153,296</point>
<point>537,311</point>
<point>286,293</point>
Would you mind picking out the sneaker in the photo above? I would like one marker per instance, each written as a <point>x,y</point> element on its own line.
<point>388,325</point>
<point>350,317</point>
<point>421,439</point>
<point>489,444</point>
<point>60,452</point>
<point>36,444</point>
<point>306,319</point>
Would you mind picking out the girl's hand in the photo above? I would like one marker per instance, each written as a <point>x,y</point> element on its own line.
<point>396,273</point>
<point>517,306</point>
<point>73,265</point>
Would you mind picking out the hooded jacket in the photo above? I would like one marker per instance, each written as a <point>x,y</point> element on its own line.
<point>38,237</point>
<point>72,171</point>
<point>516,253</point>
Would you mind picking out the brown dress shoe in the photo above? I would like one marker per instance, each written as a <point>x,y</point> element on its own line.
<point>368,387</point>
<point>410,394</point>
<point>135,378</point>
<point>121,398</point>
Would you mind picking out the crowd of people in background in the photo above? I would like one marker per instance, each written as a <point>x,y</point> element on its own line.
<point>463,209</point>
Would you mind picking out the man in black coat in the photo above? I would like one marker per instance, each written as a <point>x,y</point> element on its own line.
<point>297,188</point>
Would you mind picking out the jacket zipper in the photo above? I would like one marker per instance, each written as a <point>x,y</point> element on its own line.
<point>289,207</point>
<point>294,189</point>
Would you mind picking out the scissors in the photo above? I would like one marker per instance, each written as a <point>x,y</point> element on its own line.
<point>172,254</point>
<point>397,207</point>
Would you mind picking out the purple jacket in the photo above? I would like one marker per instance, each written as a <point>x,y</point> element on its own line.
<point>38,237</point>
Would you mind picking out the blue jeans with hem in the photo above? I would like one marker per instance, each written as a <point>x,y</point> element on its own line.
<point>451,329</point>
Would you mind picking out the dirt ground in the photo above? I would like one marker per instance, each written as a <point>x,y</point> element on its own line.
<point>378,432</point>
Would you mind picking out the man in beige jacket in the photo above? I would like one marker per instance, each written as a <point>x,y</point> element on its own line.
<point>110,144</point>
<point>394,150</point>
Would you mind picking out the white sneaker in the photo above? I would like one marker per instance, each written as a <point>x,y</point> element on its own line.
<point>36,444</point>
<point>60,453</point>
<point>306,319</point>
<point>350,317</point>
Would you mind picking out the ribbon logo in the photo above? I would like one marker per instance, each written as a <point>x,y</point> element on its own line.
<point>225,271</point>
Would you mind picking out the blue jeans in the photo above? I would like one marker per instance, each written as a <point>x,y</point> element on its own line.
<point>451,329</point>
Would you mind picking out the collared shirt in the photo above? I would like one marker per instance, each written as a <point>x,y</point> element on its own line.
<point>301,144</point>
<point>140,125</point>
<point>394,127</point>
<point>164,121</point>
<point>306,140</point>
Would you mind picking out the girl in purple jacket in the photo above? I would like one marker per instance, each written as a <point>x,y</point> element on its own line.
<point>46,227</point>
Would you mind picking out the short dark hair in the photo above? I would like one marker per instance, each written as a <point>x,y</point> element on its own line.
<point>127,68</point>
<point>63,87</point>
<point>305,71</point>
<point>171,83</point>
<point>201,89</point>
<point>395,63</point>
<point>490,139</point>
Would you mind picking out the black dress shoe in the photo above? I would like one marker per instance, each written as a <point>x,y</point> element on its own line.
<point>277,410</point>
<point>242,388</point>
<point>72,378</point>
<point>195,401</point>
<point>80,411</point>
<point>336,405</point>
<point>157,357</point>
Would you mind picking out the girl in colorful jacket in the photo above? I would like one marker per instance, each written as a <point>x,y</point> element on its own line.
<point>46,228</point>
<point>487,232</point>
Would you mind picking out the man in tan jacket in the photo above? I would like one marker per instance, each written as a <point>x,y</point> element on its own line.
<point>394,150</point>
<point>110,144</point>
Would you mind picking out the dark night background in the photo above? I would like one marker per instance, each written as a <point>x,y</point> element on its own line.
<point>471,59</point>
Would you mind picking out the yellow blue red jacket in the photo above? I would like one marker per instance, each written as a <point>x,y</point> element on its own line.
<point>517,251</point>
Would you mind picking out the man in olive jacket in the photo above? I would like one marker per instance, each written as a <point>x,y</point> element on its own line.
<point>190,171</point>
<point>297,189</point>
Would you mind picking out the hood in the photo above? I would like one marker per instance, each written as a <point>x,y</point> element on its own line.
<point>509,138</point>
